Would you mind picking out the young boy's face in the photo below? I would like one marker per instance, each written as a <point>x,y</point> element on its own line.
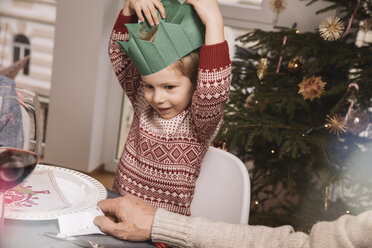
<point>168,92</point>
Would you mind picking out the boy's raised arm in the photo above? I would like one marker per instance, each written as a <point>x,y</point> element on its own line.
<point>125,71</point>
<point>211,17</point>
<point>214,72</point>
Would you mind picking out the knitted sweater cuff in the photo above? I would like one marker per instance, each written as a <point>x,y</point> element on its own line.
<point>122,19</point>
<point>171,229</point>
<point>214,56</point>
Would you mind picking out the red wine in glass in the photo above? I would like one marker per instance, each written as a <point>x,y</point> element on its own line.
<point>15,166</point>
<point>20,140</point>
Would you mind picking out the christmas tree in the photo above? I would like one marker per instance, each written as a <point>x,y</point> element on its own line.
<point>300,110</point>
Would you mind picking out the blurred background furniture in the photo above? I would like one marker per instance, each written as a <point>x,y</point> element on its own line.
<point>222,191</point>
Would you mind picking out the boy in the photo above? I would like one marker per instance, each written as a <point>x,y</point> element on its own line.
<point>176,114</point>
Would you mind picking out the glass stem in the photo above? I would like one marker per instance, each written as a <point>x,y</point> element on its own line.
<point>2,206</point>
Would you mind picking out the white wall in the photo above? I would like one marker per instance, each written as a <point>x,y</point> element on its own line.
<point>81,72</point>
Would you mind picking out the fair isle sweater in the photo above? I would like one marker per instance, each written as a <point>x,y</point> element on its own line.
<point>161,159</point>
<point>178,231</point>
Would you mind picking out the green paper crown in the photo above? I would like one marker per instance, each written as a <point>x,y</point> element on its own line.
<point>179,34</point>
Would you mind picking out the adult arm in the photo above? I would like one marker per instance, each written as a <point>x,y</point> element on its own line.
<point>180,231</point>
<point>133,219</point>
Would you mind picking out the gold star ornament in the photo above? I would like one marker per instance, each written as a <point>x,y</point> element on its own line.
<point>335,125</point>
<point>332,28</point>
<point>262,68</point>
<point>311,88</point>
<point>278,6</point>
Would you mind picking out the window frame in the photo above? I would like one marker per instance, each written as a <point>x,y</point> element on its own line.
<point>248,16</point>
<point>21,49</point>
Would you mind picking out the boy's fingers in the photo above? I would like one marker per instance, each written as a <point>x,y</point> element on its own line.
<point>139,13</point>
<point>160,7</point>
<point>154,14</point>
<point>148,16</point>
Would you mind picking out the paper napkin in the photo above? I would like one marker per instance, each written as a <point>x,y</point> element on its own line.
<point>80,223</point>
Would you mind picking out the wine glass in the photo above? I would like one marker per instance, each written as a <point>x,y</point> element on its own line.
<point>20,140</point>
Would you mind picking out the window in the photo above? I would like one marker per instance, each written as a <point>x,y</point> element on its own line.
<point>247,14</point>
<point>21,48</point>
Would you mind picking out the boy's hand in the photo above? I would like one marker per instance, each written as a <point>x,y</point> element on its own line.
<point>144,8</point>
<point>126,217</point>
<point>207,10</point>
<point>211,16</point>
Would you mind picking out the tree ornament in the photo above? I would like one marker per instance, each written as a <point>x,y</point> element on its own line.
<point>352,17</point>
<point>262,68</point>
<point>249,100</point>
<point>220,145</point>
<point>354,118</point>
<point>278,6</point>
<point>335,125</point>
<point>366,24</point>
<point>358,121</point>
<point>331,28</point>
<point>311,88</point>
<point>295,64</point>
<point>281,54</point>
<point>326,195</point>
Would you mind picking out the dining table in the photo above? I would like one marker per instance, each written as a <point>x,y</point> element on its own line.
<point>28,233</point>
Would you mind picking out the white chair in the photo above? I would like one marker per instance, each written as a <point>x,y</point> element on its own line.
<point>222,191</point>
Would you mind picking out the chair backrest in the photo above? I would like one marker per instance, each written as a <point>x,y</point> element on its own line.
<point>222,191</point>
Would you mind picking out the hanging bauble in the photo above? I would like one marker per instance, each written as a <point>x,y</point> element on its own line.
<point>249,100</point>
<point>220,144</point>
<point>335,125</point>
<point>278,6</point>
<point>366,24</point>
<point>262,68</point>
<point>358,121</point>
<point>311,88</point>
<point>295,64</point>
<point>331,28</point>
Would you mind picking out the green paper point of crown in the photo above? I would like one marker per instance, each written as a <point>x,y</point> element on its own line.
<point>180,33</point>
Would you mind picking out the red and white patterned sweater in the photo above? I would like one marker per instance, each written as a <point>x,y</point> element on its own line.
<point>161,158</point>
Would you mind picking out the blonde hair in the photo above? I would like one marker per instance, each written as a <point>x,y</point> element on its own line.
<point>187,65</point>
<point>148,35</point>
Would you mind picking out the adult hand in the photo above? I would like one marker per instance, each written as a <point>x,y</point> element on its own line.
<point>127,217</point>
<point>144,7</point>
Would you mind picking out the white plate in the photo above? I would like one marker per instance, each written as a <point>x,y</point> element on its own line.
<point>81,190</point>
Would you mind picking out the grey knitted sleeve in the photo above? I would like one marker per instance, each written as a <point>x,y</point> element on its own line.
<point>177,230</point>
